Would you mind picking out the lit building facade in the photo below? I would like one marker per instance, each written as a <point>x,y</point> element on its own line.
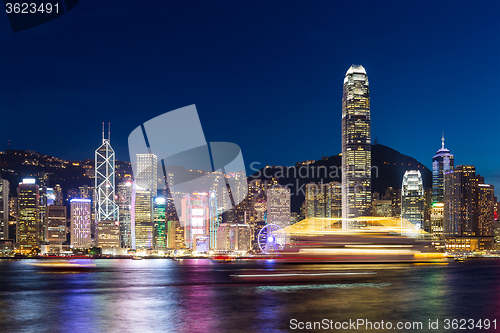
<point>124,192</point>
<point>145,190</point>
<point>485,208</point>
<point>159,224</point>
<point>382,208</point>
<point>56,226</point>
<point>234,237</point>
<point>195,214</point>
<point>80,223</point>
<point>108,234</point>
<point>412,198</point>
<point>4,209</point>
<point>28,217</point>
<point>214,218</point>
<point>278,206</point>
<point>356,146</point>
<point>323,200</point>
<point>460,199</point>
<point>442,162</point>
<point>437,219</point>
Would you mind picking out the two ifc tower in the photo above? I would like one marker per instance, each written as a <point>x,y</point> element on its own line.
<point>356,147</point>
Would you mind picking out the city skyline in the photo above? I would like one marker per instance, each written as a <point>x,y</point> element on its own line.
<point>249,166</point>
<point>423,84</point>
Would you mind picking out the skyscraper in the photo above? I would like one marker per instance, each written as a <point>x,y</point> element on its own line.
<point>4,209</point>
<point>159,224</point>
<point>437,218</point>
<point>460,198</point>
<point>195,214</point>
<point>323,200</point>
<point>145,189</point>
<point>356,146</point>
<point>56,227</point>
<point>412,198</point>
<point>485,208</point>
<point>28,217</point>
<point>124,191</point>
<point>105,206</point>
<point>80,223</point>
<point>442,162</point>
<point>278,206</point>
<point>468,211</point>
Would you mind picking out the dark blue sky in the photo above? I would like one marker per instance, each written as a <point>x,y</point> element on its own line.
<point>265,75</point>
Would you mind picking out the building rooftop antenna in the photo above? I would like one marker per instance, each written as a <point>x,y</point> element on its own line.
<point>442,141</point>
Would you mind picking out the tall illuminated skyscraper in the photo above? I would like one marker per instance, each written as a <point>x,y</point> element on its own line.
<point>124,192</point>
<point>159,224</point>
<point>278,206</point>
<point>412,198</point>
<point>442,162</point>
<point>56,227</point>
<point>145,189</point>
<point>460,200</point>
<point>105,207</point>
<point>356,146</point>
<point>28,217</point>
<point>80,223</point>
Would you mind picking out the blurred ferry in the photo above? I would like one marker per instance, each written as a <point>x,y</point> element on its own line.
<point>375,240</point>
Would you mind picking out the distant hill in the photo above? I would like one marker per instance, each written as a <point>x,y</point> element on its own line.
<point>18,164</point>
<point>389,168</point>
<point>390,164</point>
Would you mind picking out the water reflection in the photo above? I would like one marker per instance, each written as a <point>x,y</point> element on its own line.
<point>204,296</point>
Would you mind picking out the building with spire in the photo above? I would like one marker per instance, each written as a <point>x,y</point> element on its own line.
<point>106,208</point>
<point>442,162</point>
<point>356,146</point>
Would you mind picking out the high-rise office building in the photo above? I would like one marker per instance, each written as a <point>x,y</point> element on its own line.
<point>159,224</point>
<point>28,217</point>
<point>108,234</point>
<point>278,206</point>
<point>234,237</point>
<point>105,207</point>
<point>56,227</point>
<point>323,200</point>
<point>195,215</point>
<point>58,201</point>
<point>214,218</point>
<point>485,208</point>
<point>4,209</point>
<point>81,223</point>
<point>382,208</point>
<point>460,198</point>
<point>145,189</point>
<point>442,162</point>
<point>437,219</point>
<point>356,146</point>
<point>412,198</point>
<point>124,193</point>
<point>468,211</point>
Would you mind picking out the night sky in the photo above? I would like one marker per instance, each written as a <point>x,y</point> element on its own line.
<point>265,75</point>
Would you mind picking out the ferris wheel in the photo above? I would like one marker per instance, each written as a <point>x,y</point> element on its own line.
<point>271,239</point>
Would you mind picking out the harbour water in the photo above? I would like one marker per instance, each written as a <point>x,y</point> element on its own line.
<point>199,295</point>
